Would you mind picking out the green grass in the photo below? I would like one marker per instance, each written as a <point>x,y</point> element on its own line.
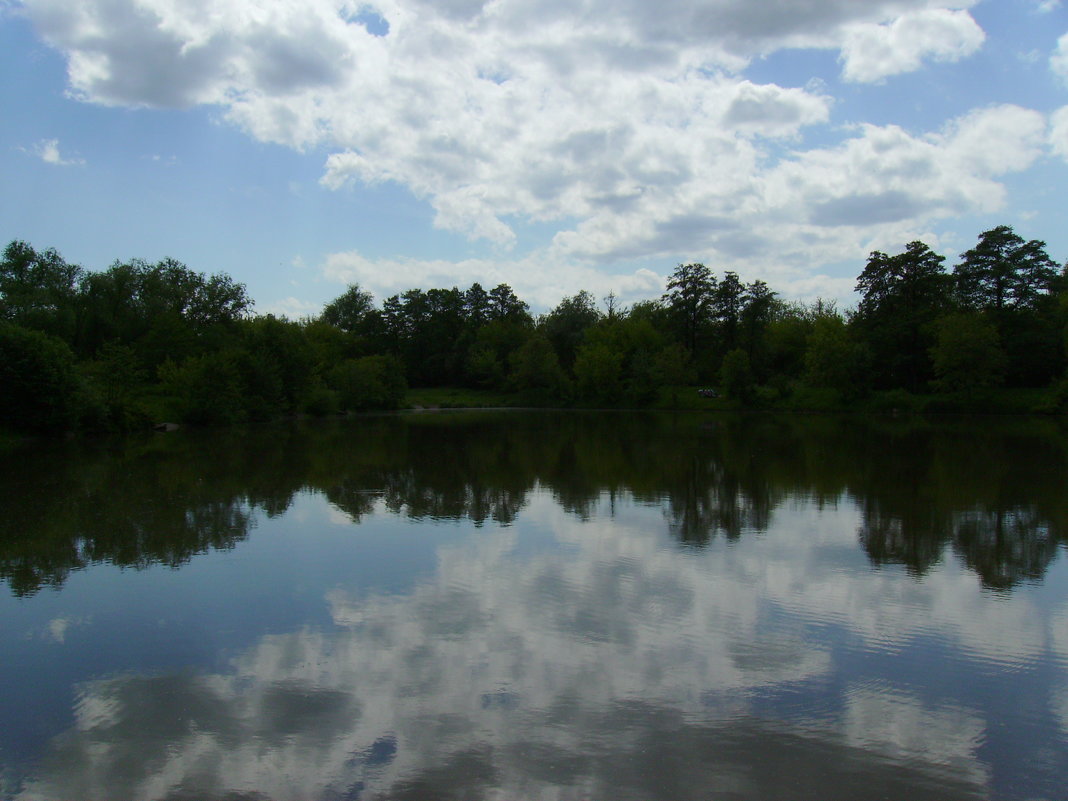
<point>797,398</point>
<point>688,399</point>
<point>458,398</point>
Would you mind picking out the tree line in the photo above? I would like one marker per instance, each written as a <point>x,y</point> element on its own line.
<point>142,341</point>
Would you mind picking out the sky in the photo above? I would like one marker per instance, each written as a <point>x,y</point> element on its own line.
<point>303,145</point>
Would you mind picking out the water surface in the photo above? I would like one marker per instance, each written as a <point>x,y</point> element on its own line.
<point>536,605</point>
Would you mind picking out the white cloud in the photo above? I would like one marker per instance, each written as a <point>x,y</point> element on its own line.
<point>886,175</point>
<point>878,189</point>
<point>629,125</point>
<point>1058,61</point>
<point>1058,132</point>
<point>872,52</point>
<point>48,151</point>
<point>291,307</point>
<point>537,279</point>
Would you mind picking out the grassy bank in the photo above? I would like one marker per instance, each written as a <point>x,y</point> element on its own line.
<point>798,399</point>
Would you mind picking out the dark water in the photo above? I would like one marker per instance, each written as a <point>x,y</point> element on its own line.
<point>539,606</point>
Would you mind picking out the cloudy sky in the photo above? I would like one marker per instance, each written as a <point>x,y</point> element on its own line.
<point>299,145</point>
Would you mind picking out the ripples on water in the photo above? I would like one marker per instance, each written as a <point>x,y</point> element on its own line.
<point>539,606</point>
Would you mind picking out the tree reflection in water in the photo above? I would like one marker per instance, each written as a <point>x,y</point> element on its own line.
<point>994,494</point>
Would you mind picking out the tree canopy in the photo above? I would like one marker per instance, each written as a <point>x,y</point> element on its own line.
<point>142,341</point>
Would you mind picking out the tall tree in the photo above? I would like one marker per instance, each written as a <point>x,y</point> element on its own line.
<point>504,305</point>
<point>728,299</point>
<point>162,310</point>
<point>565,326</point>
<point>1004,272</point>
<point>901,297</point>
<point>38,289</point>
<point>1015,282</point>
<point>350,311</point>
<point>477,305</point>
<point>759,304</point>
<point>690,296</point>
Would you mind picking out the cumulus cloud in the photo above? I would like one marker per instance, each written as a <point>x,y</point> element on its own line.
<point>872,52</point>
<point>629,125</point>
<point>878,189</point>
<point>537,279</point>
<point>1058,61</point>
<point>48,151</point>
<point>293,308</point>
<point>886,175</point>
<point>1058,134</point>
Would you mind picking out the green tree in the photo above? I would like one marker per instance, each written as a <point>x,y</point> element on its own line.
<point>39,381</point>
<point>1016,283</point>
<point>476,306</point>
<point>566,325</point>
<point>690,298</point>
<point>728,299</point>
<point>967,354</point>
<point>1003,271</point>
<point>504,305</point>
<point>351,311</point>
<point>599,374</point>
<point>209,389</point>
<point>279,364</point>
<point>901,297</point>
<point>371,382</point>
<point>536,372</point>
<point>834,359</point>
<point>163,310</point>
<point>117,375</point>
<point>38,290</point>
<point>759,307</point>
<point>736,376</point>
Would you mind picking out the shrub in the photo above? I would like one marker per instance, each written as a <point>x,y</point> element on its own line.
<point>39,380</point>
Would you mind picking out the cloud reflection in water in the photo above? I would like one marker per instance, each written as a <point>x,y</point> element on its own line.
<point>618,666</point>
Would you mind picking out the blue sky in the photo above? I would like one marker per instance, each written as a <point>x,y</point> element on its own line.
<point>554,146</point>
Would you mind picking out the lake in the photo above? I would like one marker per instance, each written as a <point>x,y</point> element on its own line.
<point>539,605</point>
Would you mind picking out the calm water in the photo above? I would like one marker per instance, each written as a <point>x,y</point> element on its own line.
<point>526,605</point>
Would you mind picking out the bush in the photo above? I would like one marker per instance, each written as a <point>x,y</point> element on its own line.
<point>736,376</point>
<point>40,384</point>
<point>321,401</point>
<point>208,389</point>
<point>373,382</point>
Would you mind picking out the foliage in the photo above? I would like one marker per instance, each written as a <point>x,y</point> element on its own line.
<point>38,290</point>
<point>371,382</point>
<point>565,326</point>
<point>689,299</point>
<point>40,384</point>
<point>967,354</point>
<point>158,341</point>
<point>599,374</point>
<point>536,373</point>
<point>351,311</point>
<point>901,297</point>
<point>834,359</point>
<point>208,389</point>
<point>736,376</point>
<point>1004,272</point>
